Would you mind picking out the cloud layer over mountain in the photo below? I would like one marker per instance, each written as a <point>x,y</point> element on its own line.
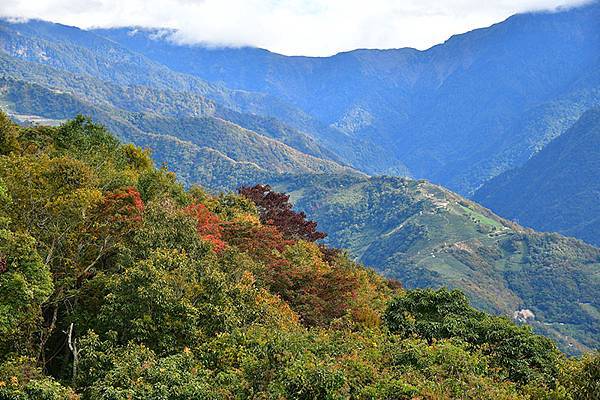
<point>293,27</point>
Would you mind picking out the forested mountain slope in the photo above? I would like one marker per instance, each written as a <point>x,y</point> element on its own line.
<point>116,283</point>
<point>457,114</point>
<point>195,141</point>
<point>559,188</point>
<point>426,236</point>
<point>88,65</point>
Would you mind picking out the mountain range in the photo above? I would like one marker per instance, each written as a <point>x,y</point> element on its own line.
<point>507,114</point>
<point>559,188</point>
<point>457,114</point>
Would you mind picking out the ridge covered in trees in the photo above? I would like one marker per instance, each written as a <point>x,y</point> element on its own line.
<point>427,236</point>
<point>118,283</point>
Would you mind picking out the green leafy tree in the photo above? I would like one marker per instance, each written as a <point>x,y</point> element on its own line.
<point>152,302</point>
<point>8,135</point>
<point>113,372</point>
<point>580,378</point>
<point>443,314</point>
<point>25,284</point>
<point>21,379</point>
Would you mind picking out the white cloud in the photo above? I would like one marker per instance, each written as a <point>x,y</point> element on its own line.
<point>307,27</point>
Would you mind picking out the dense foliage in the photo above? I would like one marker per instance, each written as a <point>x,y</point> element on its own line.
<point>116,283</point>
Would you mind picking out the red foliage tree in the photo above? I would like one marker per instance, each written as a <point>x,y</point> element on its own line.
<point>275,209</point>
<point>118,214</point>
<point>208,225</point>
<point>123,206</point>
<point>258,241</point>
<point>317,298</point>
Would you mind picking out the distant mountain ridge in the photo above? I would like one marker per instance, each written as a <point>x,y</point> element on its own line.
<point>202,149</point>
<point>457,114</point>
<point>83,56</point>
<point>559,188</point>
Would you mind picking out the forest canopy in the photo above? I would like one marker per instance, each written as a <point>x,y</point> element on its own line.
<point>116,282</point>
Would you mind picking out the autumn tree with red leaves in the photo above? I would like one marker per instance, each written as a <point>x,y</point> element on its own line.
<point>123,206</point>
<point>208,225</point>
<point>117,215</point>
<point>275,209</point>
<point>256,240</point>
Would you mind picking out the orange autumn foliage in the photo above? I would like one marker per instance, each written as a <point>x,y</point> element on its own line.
<point>208,225</point>
<point>125,205</point>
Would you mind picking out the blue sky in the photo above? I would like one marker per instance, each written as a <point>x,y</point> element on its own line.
<point>292,27</point>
